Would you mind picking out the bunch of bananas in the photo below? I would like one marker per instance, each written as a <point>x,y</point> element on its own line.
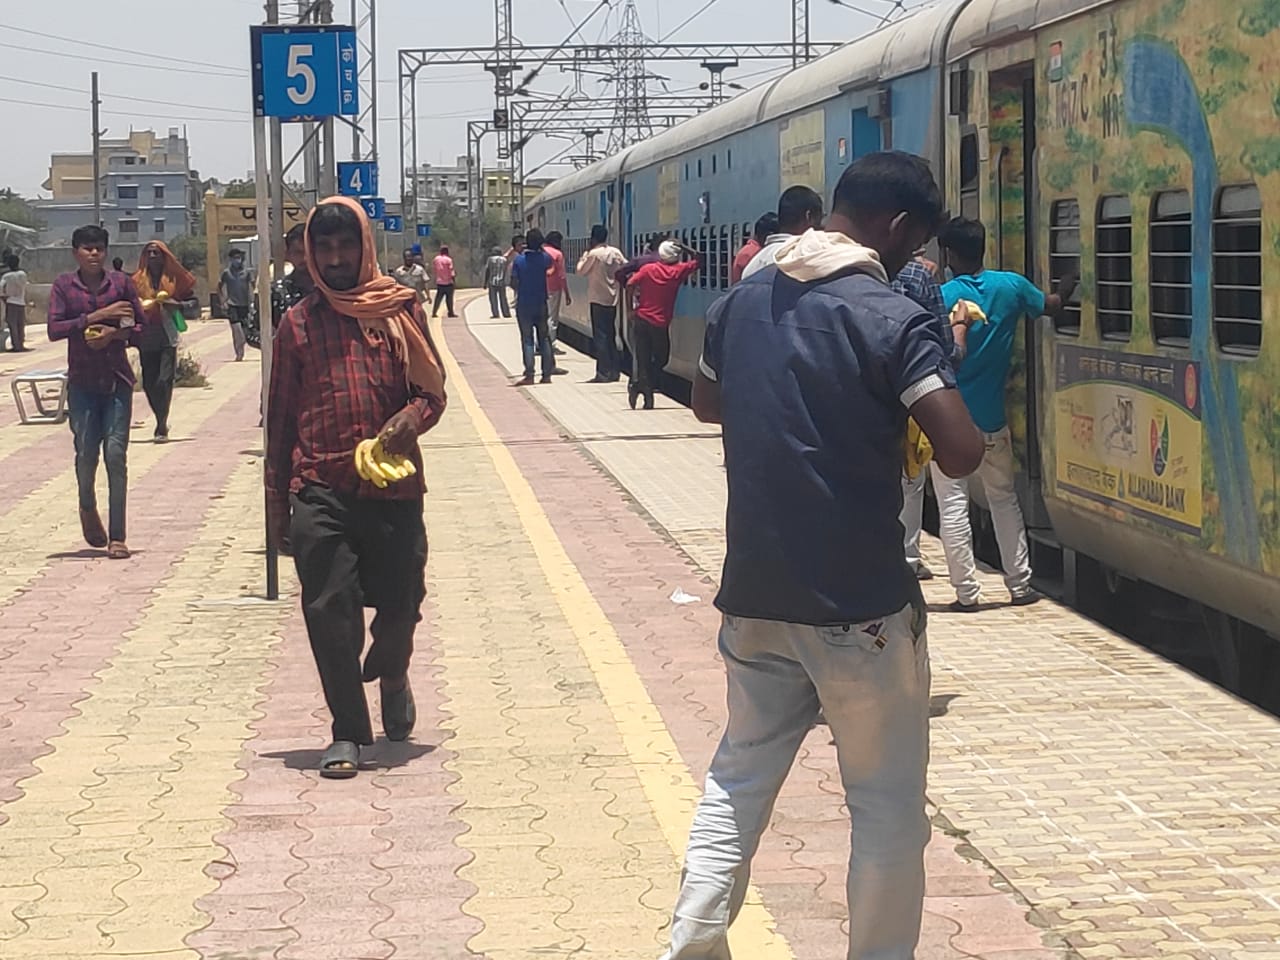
<point>380,467</point>
<point>93,333</point>
<point>160,297</point>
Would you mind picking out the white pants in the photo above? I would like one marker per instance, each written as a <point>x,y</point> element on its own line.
<point>996,474</point>
<point>554,300</point>
<point>912,518</point>
<point>872,683</point>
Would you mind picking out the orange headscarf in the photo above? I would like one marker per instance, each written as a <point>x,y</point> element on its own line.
<point>175,279</point>
<point>383,306</point>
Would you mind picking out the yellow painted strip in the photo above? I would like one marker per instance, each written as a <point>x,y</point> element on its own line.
<point>105,852</point>
<point>668,785</point>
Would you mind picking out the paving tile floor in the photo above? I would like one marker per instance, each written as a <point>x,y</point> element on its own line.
<point>160,722</point>
<point>1133,805</point>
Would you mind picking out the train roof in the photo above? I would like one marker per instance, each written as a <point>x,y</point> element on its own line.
<point>984,23</point>
<point>896,49</point>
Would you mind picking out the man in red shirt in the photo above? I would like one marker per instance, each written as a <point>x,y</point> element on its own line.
<point>557,287</point>
<point>654,288</point>
<point>765,226</point>
<point>442,267</point>
<point>352,361</point>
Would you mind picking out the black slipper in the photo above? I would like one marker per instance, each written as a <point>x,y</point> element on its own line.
<point>399,712</point>
<point>341,761</point>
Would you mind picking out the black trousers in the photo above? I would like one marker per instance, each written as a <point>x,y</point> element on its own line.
<point>604,321</point>
<point>498,302</point>
<point>353,553</point>
<point>15,316</point>
<point>159,367</point>
<point>650,349</point>
<point>444,294</point>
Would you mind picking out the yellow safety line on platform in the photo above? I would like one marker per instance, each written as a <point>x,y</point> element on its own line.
<point>105,853</point>
<point>667,783</point>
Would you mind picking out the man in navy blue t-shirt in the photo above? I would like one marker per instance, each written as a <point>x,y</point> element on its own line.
<point>812,366</point>
<point>529,277</point>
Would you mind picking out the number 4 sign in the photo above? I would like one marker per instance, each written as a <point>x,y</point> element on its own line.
<point>302,73</point>
<point>358,179</point>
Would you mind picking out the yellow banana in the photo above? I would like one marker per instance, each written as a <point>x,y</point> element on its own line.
<point>379,467</point>
<point>359,459</point>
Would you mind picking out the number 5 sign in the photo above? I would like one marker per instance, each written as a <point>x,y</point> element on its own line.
<point>302,73</point>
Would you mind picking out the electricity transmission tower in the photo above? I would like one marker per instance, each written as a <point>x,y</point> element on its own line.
<point>631,119</point>
<point>364,134</point>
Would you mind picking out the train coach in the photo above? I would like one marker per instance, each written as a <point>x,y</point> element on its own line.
<point>1132,142</point>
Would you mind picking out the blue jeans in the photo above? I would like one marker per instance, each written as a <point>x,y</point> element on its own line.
<point>534,337</point>
<point>100,422</point>
<point>603,334</point>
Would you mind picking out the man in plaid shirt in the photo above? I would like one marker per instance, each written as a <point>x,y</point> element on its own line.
<point>919,281</point>
<point>352,361</point>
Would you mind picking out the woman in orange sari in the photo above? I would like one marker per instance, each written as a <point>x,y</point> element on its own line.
<point>166,288</point>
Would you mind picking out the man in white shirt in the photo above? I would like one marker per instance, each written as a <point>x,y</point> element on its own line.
<point>413,275</point>
<point>799,209</point>
<point>599,265</point>
<point>13,290</point>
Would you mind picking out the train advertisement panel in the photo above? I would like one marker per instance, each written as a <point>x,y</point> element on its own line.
<point>668,195</point>
<point>1129,434</point>
<point>801,142</point>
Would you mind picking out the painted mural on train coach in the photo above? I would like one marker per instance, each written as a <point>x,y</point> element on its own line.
<point>1159,169</point>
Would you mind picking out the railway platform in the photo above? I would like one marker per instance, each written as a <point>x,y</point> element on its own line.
<point>160,722</point>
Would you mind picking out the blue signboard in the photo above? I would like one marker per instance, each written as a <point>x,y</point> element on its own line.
<point>393,224</point>
<point>304,72</point>
<point>375,208</point>
<point>358,179</point>
<point>424,229</point>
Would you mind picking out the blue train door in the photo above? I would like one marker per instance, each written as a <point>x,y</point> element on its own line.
<point>865,136</point>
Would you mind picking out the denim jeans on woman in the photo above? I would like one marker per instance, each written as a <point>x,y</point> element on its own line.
<point>100,426</point>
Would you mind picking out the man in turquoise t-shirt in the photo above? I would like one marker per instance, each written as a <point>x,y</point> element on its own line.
<point>1005,298</point>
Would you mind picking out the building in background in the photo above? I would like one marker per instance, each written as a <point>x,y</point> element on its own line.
<point>147,188</point>
<point>436,184</point>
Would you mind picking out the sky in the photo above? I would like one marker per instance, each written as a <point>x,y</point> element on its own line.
<point>185,64</point>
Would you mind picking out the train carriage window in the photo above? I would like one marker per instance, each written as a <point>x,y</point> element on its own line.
<point>728,159</point>
<point>703,253</point>
<point>1064,258</point>
<point>1237,270</point>
<point>1170,266</point>
<point>1113,262</point>
<point>726,257</point>
<point>970,178</point>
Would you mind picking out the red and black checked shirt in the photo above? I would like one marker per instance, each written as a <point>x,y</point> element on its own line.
<point>331,388</point>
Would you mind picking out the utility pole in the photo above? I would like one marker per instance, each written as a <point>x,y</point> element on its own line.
<point>269,187</point>
<point>801,48</point>
<point>97,156</point>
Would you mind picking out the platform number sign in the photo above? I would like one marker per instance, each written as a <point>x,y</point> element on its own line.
<point>424,230</point>
<point>393,224</point>
<point>375,208</point>
<point>304,73</point>
<point>358,179</point>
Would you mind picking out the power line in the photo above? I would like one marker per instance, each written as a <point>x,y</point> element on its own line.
<point>116,49</point>
<point>699,12</point>
<point>117,96</point>
<point>118,63</point>
<point>533,74</point>
<point>122,113</point>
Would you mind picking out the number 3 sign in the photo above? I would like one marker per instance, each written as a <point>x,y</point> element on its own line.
<point>301,73</point>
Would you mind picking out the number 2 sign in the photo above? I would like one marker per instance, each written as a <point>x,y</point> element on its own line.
<point>302,73</point>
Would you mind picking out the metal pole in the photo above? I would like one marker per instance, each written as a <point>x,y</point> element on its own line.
<point>329,165</point>
<point>97,154</point>
<point>265,179</point>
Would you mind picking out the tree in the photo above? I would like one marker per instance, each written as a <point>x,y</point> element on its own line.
<point>192,252</point>
<point>241,190</point>
<point>14,209</point>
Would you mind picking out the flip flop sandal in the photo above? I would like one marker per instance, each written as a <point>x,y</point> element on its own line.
<point>399,713</point>
<point>341,761</point>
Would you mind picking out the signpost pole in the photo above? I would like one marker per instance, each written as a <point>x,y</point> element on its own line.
<point>265,180</point>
